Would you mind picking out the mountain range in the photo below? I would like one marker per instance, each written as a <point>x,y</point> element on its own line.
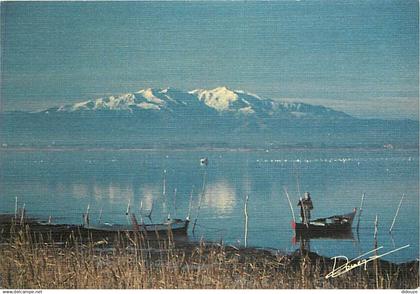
<point>154,118</point>
<point>218,101</point>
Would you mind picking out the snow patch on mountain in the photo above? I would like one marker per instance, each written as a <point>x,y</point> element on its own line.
<point>248,94</point>
<point>145,105</point>
<point>247,110</point>
<point>219,98</point>
<point>150,97</point>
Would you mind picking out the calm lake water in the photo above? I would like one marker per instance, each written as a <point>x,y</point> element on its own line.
<point>63,183</point>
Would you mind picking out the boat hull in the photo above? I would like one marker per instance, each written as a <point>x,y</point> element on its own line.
<point>313,232</point>
<point>327,228</point>
<point>62,232</point>
<point>173,227</point>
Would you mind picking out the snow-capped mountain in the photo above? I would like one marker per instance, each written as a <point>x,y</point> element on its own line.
<point>218,101</point>
<point>220,117</point>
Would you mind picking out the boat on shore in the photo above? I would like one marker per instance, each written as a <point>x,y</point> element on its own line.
<point>86,231</point>
<point>173,226</point>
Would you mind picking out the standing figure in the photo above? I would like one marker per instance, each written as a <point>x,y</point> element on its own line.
<point>305,207</point>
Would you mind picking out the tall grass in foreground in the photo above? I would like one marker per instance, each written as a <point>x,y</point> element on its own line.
<point>133,262</point>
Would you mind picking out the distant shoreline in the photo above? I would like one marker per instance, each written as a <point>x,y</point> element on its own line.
<point>208,149</point>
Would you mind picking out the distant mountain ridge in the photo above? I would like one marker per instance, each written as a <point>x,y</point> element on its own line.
<point>217,101</point>
<point>219,117</point>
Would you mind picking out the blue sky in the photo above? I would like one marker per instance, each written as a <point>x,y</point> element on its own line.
<point>357,56</point>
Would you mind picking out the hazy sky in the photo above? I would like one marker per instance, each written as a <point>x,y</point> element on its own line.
<point>357,56</point>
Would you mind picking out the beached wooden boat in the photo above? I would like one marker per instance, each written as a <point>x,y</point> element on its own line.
<point>174,226</point>
<point>329,226</point>
<point>86,231</point>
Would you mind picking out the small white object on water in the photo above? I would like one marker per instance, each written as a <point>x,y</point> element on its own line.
<point>204,161</point>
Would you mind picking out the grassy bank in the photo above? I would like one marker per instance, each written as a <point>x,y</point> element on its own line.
<point>132,262</point>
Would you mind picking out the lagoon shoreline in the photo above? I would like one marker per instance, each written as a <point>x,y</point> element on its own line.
<point>134,262</point>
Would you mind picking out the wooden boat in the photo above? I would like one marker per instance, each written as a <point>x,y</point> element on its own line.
<point>86,231</point>
<point>326,227</point>
<point>170,226</point>
<point>174,226</point>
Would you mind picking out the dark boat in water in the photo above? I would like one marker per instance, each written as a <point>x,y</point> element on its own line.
<point>333,226</point>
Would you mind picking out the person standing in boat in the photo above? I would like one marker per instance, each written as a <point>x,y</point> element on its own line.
<point>305,207</point>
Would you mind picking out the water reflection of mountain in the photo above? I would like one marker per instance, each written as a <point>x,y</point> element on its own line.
<point>220,196</point>
<point>148,194</point>
<point>111,191</point>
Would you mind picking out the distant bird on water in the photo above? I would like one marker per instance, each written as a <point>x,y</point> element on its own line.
<point>204,161</point>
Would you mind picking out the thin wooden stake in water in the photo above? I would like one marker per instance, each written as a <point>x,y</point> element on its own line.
<point>86,216</point>
<point>375,234</point>
<point>164,183</point>
<point>127,212</point>
<point>396,213</point>
<point>360,211</point>
<point>246,221</point>
<point>203,189</point>
<point>175,212</point>
<point>22,216</point>
<point>100,216</point>
<point>16,207</point>
<point>290,203</point>
<point>128,208</point>
<point>201,199</point>
<point>189,206</point>
<point>297,182</point>
<point>164,200</point>
<point>198,212</point>
<point>141,214</point>
<point>375,262</point>
<point>392,240</point>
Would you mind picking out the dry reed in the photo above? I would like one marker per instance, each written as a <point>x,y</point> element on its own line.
<point>31,261</point>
